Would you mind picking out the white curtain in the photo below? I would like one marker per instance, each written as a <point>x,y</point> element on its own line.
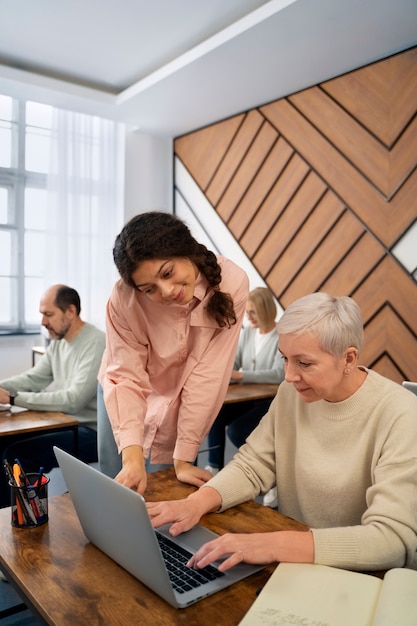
<point>85,208</point>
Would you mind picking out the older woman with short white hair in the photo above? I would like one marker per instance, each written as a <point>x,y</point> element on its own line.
<point>339,442</point>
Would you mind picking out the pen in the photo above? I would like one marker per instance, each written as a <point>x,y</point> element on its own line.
<point>12,482</point>
<point>35,489</point>
<point>19,504</point>
<point>23,477</point>
<point>39,481</point>
<point>23,509</point>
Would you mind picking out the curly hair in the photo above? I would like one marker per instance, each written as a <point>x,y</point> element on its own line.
<point>158,235</point>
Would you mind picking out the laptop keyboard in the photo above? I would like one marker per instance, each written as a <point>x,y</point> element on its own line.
<point>184,578</point>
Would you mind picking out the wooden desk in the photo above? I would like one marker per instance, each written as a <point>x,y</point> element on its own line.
<point>240,392</point>
<point>20,422</point>
<point>15,422</point>
<point>65,580</point>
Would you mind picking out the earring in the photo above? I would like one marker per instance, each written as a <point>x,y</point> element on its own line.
<point>346,372</point>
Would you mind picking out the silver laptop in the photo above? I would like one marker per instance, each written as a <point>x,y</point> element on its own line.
<point>115,519</point>
<point>411,386</point>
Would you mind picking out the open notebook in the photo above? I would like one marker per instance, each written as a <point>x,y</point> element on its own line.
<point>115,519</point>
<point>307,594</point>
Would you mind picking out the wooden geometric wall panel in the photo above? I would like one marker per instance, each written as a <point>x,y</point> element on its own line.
<point>386,217</point>
<point>290,173</point>
<point>241,142</point>
<point>387,89</point>
<point>203,149</point>
<point>319,188</point>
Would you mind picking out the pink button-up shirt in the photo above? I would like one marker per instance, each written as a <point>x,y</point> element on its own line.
<point>166,369</point>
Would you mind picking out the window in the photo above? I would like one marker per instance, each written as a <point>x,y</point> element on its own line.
<point>59,195</point>
<point>25,141</point>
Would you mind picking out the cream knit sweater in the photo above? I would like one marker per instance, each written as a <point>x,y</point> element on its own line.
<point>347,469</point>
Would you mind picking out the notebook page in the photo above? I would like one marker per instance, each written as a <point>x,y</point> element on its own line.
<point>315,595</point>
<point>398,599</point>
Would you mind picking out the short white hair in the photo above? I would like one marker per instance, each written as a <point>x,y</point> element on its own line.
<point>334,320</point>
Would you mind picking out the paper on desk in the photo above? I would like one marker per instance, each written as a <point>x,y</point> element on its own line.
<point>11,409</point>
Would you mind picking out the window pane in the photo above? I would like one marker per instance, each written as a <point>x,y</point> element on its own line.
<point>7,285</point>
<point>38,115</point>
<point>6,108</point>
<point>5,144</point>
<point>38,146</point>
<point>4,199</point>
<point>35,208</point>
<point>34,254</point>
<point>33,292</point>
<point>5,253</point>
<point>95,161</point>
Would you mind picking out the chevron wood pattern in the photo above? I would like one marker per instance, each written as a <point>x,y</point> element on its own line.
<point>318,187</point>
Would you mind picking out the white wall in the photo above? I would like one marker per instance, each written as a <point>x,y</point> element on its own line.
<point>149,173</point>
<point>16,353</point>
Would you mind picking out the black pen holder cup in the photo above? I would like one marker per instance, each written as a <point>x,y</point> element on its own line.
<point>30,502</point>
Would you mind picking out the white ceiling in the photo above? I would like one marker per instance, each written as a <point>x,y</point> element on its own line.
<point>171,66</point>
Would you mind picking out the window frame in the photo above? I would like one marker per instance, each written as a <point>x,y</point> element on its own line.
<point>16,179</point>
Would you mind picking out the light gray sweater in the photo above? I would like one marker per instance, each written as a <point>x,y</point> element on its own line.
<point>265,367</point>
<point>64,378</point>
<point>346,469</point>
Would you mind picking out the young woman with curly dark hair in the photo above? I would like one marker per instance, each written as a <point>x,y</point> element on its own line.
<point>173,323</point>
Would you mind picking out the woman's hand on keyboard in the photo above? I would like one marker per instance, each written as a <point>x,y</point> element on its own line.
<point>292,546</point>
<point>186,513</point>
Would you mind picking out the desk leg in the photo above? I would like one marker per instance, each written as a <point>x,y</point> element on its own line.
<point>25,605</point>
<point>12,610</point>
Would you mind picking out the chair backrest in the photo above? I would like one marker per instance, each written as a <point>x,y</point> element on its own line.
<point>410,385</point>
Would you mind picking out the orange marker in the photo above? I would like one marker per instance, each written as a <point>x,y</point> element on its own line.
<point>16,474</point>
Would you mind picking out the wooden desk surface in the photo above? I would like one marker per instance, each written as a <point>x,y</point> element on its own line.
<point>69,581</point>
<point>12,423</point>
<point>239,392</point>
